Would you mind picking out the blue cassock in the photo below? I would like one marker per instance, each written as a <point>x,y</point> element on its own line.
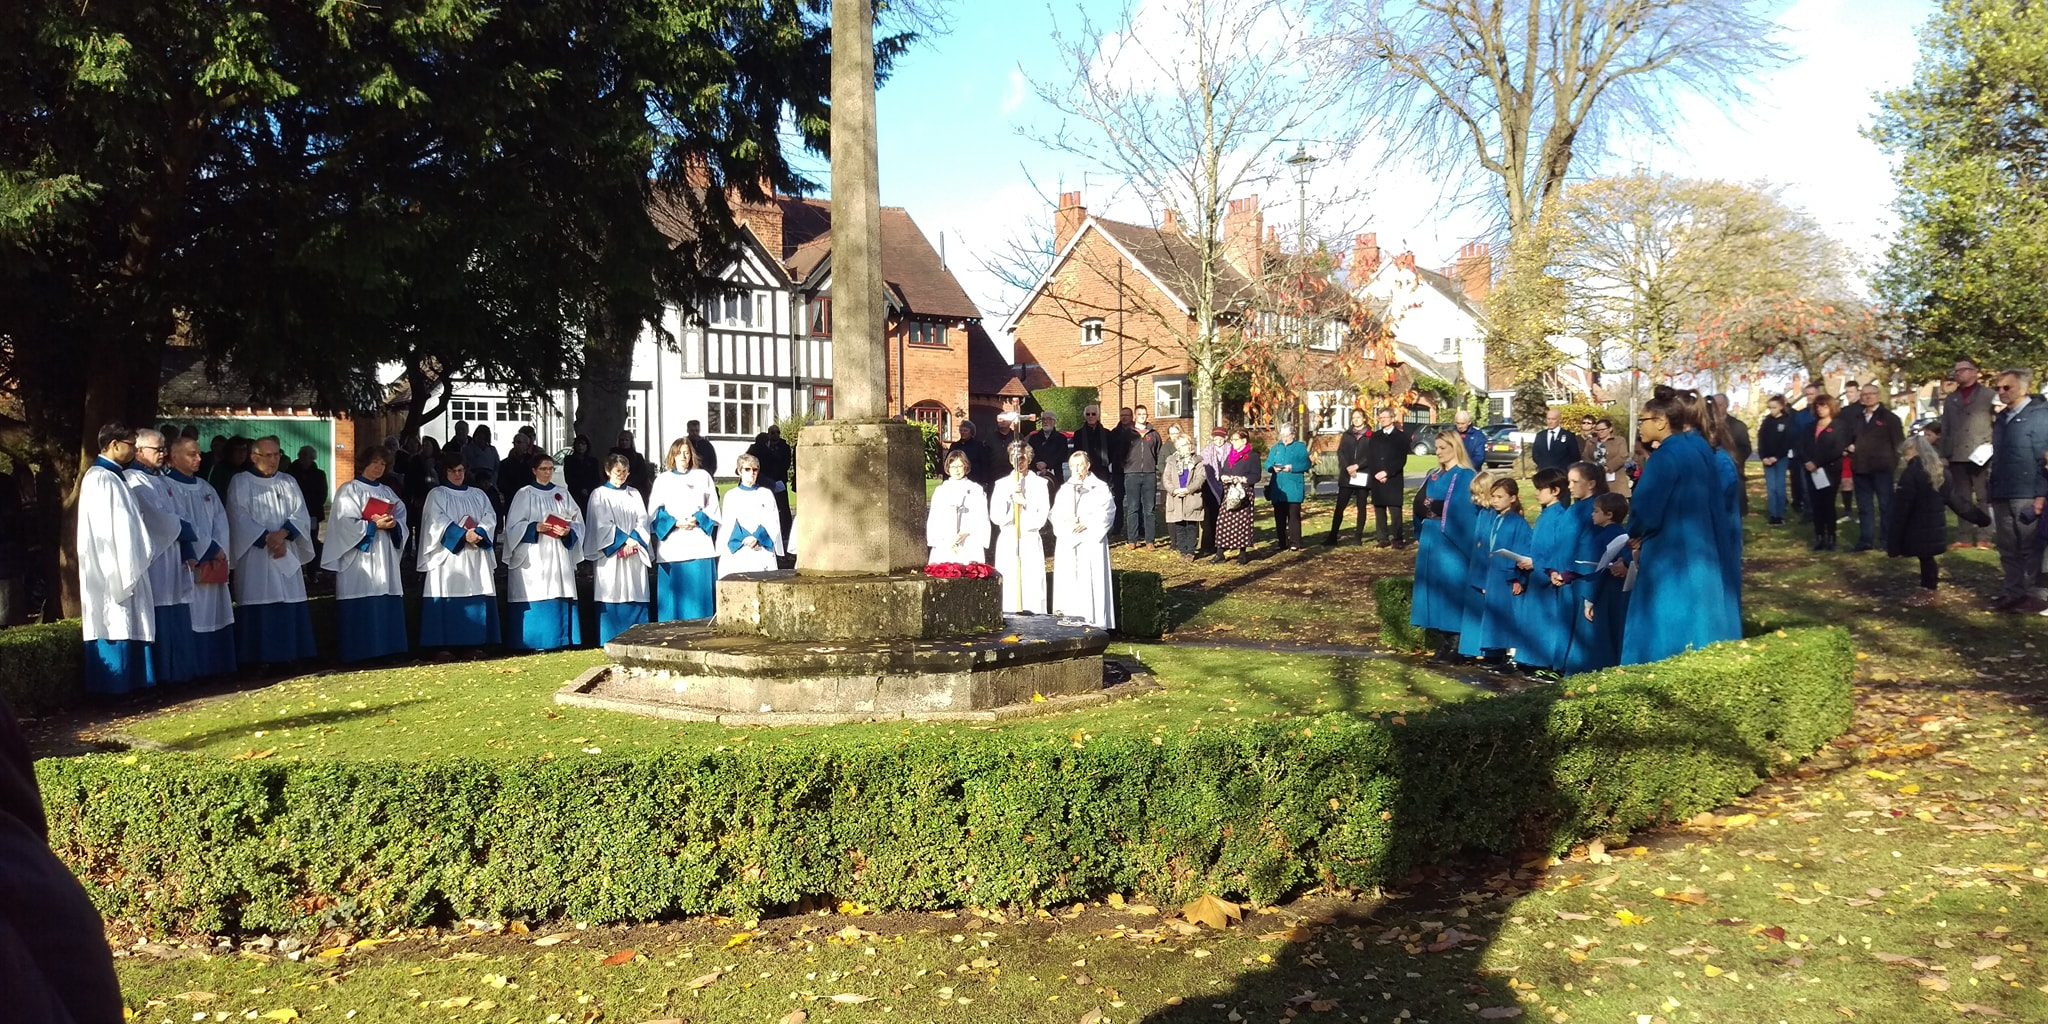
<point>1485,522</point>
<point>1728,535</point>
<point>1681,599</point>
<point>1501,627</point>
<point>1597,644</point>
<point>1546,616</point>
<point>1441,587</point>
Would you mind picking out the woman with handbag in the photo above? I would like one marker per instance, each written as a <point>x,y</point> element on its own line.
<point>1238,471</point>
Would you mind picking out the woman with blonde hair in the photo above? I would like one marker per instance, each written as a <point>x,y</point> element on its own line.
<point>683,508</point>
<point>1443,522</point>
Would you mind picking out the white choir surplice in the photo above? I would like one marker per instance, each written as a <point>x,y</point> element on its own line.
<point>117,540</point>
<point>212,604</point>
<point>684,529</point>
<point>1081,517</point>
<point>958,507</point>
<point>543,569</point>
<point>369,589</point>
<point>618,517</point>
<point>172,658</point>
<point>466,569</point>
<point>275,626</point>
<point>1017,507</point>
<point>748,512</point>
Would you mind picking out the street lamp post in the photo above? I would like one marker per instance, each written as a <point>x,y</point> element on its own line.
<point>1303,164</point>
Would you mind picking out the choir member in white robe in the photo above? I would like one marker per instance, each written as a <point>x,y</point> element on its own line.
<point>459,603</point>
<point>1017,507</point>
<point>543,542</point>
<point>172,658</point>
<point>272,540</point>
<point>366,530</point>
<point>684,524</point>
<point>617,549</point>
<point>1081,517</point>
<point>212,604</point>
<point>749,525</point>
<point>957,525</point>
<point>117,539</point>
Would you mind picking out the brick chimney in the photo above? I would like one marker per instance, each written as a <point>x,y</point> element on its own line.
<point>764,219</point>
<point>1244,226</point>
<point>1365,259</point>
<point>1474,271</point>
<point>1406,261</point>
<point>1067,220</point>
<point>1170,223</point>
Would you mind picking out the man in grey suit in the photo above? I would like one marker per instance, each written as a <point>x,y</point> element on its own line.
<point>1966,427</point>
<point>2019,491</point>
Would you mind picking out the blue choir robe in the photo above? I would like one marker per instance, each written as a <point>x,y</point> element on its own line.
<point>1500,628</point>
<point>1681,599</point>
<point>274,625</point>
<point>1547,611</point>
<point>173,654</point>
<point>618,551</point>
<point>1485,523</point>
<point>459,595</point>
<point>540,570</point>
<point>749,532</point>
<point>369,582</point>
<point>1596,643</point>
<point>117,540</point>
<point>1442,589</point>
<point>683,524</point>
<point>212,605</point>
<point>1728,535</point>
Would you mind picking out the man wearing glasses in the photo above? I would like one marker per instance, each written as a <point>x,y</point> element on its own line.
<point>1966,428</point>
<point>2019,490</point>
<point>173,655</point>
<point>271,541</point>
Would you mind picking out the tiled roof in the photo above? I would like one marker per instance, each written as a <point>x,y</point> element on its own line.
<point>1175,261</point>
<point>187,385</point>
<point>1451,290</point>
<point>910,264</point>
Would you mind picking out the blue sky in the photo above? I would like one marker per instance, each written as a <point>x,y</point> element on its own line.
<point>951,152</point>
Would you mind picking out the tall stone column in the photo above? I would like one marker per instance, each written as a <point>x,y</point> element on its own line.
<point>861,503</point>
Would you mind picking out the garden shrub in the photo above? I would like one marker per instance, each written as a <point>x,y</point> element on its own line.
<point>1066,404</point>
<point>40,666</point>
<point>940,818</point>
<point>1394,598</point>
<point>1140,604</point>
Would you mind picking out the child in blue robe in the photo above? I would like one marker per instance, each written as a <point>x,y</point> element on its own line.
<point>1444,532</point>
<point>1546,614</point>
<point>1596,630</point>
<point>1500,628</point>
<point>1477,555</point>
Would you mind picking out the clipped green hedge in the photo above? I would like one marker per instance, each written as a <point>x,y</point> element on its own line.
<point>1140,603</point>
<point>41,668</point>
<point>1394,599</point>
<point>1065,403</point>
<point>941,818</point>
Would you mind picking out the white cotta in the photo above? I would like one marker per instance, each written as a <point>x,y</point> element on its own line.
<point>116,541</point>
<point>544,570</point>
<point>1081,517</point>
<point>169,581</point>
<point>958,506</point>
<point>748,509</point>
<point>685,495</point>
<point>213,605</point>
<point>1017,507</point>
<point>615,512</point>
<point>466,571</point>
<point>256,506</point>
<point>372,573</point>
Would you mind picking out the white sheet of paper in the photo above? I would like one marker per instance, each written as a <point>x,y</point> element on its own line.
<point>1982,456</point>
<point>1820,478</point>
<point>1614,549</point>
<point>1360,480</point>
<point>1505,553</point>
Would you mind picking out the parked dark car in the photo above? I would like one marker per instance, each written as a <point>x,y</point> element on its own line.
<point>1424,435</point>
<point>1501,447</point>
<point>1920,425</point>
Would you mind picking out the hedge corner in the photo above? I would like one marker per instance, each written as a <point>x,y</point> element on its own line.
<point>1140,604</point>
<point>40,667</point>
<point>1394,597</point>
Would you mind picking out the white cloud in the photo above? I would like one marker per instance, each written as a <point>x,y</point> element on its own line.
<point>1018,90</point>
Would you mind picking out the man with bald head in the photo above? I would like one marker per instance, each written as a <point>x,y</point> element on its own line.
<point>271,540</point>
<point>1471,437</point>
<point>211,605</point>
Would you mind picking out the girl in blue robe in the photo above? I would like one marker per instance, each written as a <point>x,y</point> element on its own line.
<point>1584,482</point>
<point>1444,528</point>
<point>1596,629</point>
<point>1546,612</point>
<point>1484,522</point>
<point>1682,599</point>
<point>1500,628</point>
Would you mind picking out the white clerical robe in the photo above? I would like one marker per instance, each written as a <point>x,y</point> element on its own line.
<point>213,605</point>
<point>543,569</point>
<point>748,512</point>
<point>618,517</point>
<point>257,505</point>
<point>1081,517</point>
<point>374,572</point>
<point>170,583</point>
<point>1017,507</point>
<point>117,539</point>
<point>682,496</point>
<point>466,571</point>
<point>958,507</point>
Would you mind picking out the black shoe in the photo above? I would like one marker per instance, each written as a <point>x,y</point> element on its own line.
<point>1819,544</point>
<point>1330,541</point>
<point>1215,559</point>
<point>1860,548</point>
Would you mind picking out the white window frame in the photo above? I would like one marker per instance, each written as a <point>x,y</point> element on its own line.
<point>1331,337</point>
<point>1327,405</point>
<point>467,409</point>
<point>744,308</point>
<point>1169,397</point>
<point>1091,331</point>
<point>735,408</point>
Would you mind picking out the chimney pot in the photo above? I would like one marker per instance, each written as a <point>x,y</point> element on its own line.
<point>1067,220</point>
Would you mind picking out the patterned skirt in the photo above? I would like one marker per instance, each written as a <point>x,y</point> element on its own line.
<point>1234,528</point>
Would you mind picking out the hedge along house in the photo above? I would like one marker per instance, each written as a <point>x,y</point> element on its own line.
<point>761,350</point>
<point>1113,312</point>
<point>226,405</point>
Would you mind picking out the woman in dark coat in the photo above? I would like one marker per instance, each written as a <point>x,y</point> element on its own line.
<point>1237,475</point>
<point>1821,449</point>
<point>1919,528</point>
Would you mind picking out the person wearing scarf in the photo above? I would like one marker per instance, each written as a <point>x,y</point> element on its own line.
<point>1182,483</point>
<point>749,527</point>
<point>1237,465</point>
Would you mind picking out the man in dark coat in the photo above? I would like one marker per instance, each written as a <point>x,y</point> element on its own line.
<point>1049,449</point>
<point>978,467</point>
<point>1965,428</point>
<point>1386,467</point>
<point>775,458</point>
<point>2019,489</point>
<point>707,454</point>
<point>1554,447</point>
<point>639,472</point>
<point>1093,438</point>
<point>1350,463</point>
<point>1874,447</point>
<point>1140,445</point>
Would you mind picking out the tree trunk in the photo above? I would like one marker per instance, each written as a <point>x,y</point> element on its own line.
<point>607,378</point>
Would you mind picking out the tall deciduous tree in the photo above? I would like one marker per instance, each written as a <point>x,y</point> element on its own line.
<point>1968,272</point>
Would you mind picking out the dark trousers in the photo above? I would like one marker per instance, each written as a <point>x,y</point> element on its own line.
<point>1742,484</point>
<point>1347,494</point>
<point>1287,523</point>
<point>1967,480</point>
<point>1381,513</point>
<point>1929,575</point>
<point>1187,536</point>
<point>1141,508</point>
<point>1210,506</point>
<point>1821,501</point>
<point>1873,508</point>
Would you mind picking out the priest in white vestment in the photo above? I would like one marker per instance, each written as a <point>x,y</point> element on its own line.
<point>117,539</point>
<point>684,526</point>
<point>1081,517</point>
<point>543,542</point>
<point>617,549</point>
<point>749,525</point>
<point>272,540</point>
<point>366,530</point>
<point>212,604</point>
<point>459,602</point>
<point>956,524</point>
<point>1017,507</point>
<point>172,658</point>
